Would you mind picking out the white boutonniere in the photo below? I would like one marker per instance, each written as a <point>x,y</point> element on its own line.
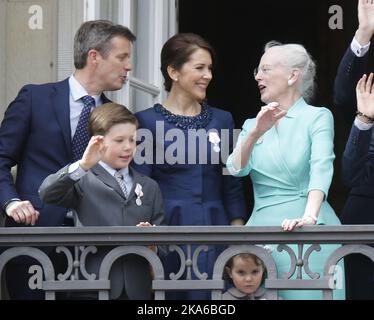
<point>215,140</point>
<point>139,194</point>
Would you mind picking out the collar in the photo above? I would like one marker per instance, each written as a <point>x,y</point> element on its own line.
<point>77,91</point>
<point>296,108</point>
<point>242,296</point>
<point>260,292</point>
<point>124,171</point>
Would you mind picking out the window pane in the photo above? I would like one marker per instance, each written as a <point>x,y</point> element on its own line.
<point>141,19</point>
<point>109,10</point>
<point>140,100</point>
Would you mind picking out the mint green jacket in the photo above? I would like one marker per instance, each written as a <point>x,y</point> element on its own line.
<point>292,158</point>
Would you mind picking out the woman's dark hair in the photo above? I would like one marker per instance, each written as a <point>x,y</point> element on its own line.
<point>177,51</point>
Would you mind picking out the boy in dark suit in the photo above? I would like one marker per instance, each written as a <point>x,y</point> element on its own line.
<point>104,191</point>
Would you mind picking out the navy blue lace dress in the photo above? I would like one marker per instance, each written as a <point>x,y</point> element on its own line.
<point>190,173</point>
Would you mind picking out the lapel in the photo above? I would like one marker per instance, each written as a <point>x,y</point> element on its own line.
<point>240,295</point>
<point>276,150</point>
<point>276,163</point>
<point>61,104</point>
<point>136,179</point>
<point>260,293</point>
<point>107,179</point>
<point>296,109</point>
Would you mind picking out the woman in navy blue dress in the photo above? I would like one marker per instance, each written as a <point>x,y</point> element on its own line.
<point>190,143</point>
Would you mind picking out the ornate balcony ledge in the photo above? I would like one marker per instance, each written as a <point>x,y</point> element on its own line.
<point>132,240</point>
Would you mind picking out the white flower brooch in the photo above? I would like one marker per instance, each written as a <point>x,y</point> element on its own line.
<point>215,140</point>
<point>139,194</point>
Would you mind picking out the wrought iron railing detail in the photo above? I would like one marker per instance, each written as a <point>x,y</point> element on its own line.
<point>77,244</point>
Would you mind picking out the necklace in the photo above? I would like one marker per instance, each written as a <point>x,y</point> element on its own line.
<point>186,122</point>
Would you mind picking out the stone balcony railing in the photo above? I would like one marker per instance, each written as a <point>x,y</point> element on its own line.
<point>132,240</point>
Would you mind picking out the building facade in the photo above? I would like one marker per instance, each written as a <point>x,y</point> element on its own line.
<point>36,43</point>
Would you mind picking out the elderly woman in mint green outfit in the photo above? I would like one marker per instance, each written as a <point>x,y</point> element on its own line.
<point>288,152</point>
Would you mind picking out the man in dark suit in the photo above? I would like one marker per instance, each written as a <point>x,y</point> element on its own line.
<point>358,155</point>
<point>105,191</point>
<point>38,130</point>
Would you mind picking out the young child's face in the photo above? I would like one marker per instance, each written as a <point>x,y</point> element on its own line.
<point>246,274</point>
<point>120,142</point>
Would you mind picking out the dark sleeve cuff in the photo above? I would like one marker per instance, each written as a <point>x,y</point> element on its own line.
<point>7,203</point>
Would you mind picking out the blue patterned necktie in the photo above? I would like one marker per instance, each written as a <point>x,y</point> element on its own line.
<point>121,182</point>
<point>81,136</point>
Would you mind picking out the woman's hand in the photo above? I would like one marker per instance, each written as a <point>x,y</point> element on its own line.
<point>268,117</point>
<point>290,224</point>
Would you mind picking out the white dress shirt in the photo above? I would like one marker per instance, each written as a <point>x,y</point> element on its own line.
<point>76,104</point>
<point>363,125</point>
<point>358,49</point>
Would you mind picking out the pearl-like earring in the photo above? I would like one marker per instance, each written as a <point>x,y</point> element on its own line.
<point>290,83</point>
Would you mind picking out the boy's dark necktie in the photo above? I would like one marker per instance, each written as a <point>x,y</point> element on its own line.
<point>81,136</point>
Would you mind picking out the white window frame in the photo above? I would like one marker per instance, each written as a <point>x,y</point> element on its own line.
<point>163,24</point>
<point>71,13</point>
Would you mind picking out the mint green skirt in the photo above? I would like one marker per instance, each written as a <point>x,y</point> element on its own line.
<point>274,216</point>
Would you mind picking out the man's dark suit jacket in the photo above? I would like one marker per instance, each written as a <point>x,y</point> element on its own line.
<point>35,135</point>
<point>358,157</point>
<point>357,173</point>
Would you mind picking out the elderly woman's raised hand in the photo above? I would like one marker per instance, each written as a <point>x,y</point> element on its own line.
<point>365,98</point>
<point>268,117</point>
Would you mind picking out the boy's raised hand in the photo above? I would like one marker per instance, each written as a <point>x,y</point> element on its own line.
<point>93,153</point>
